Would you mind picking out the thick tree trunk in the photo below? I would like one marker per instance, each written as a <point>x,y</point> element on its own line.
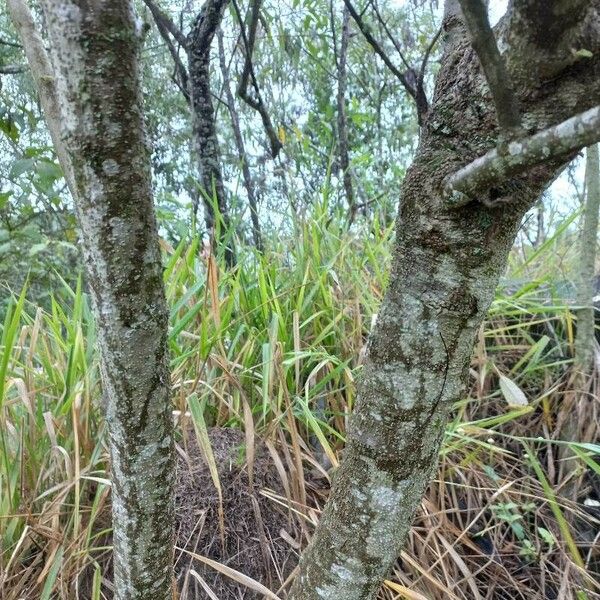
<point>203,115</point>
<point>446,266</point>
<point>94,51</point>
<point>585,341</point>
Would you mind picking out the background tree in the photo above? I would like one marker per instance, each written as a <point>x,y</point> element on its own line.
<point>586,341</point>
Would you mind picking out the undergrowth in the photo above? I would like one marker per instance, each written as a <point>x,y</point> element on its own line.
<point>274,347</point>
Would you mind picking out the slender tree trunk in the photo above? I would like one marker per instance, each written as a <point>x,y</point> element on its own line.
<point>94,48</point>
<point>585,340</point>
<point>540,233</point>
<point>342,121</point>
<point>43,76</point>
<point>446,266</point>
<point>203,116</point>
<point>239,144</point>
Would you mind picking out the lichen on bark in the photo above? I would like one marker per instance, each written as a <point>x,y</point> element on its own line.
<point>447,262</point>
<point>94,48</point>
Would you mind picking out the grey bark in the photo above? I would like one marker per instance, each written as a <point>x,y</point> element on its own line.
<point>446,265</point>
<point>521,154</point>
<point>475,13</point>
<point>94,50</point>
<point>585,340</point>
<point>206,142</point>
<point>43,77</point>
<point>241,149</point>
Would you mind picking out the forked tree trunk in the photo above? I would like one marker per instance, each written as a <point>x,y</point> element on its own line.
<point>95,54</point>
<point>446,266</point>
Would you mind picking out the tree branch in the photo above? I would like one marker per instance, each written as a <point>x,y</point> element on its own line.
<point>412,88</point>
<point>342,121</point>
<point>248,75</point>
<point>425,60</point>
<point>166,27</point>
<point>4,42</point>
<point>166,21</point>
<point>43,76</point>
<point>484,43</point>
<point>11,69</point>
<point>239,142</point>
<point>389,34</point>
<point>519,155</point>
<point>366,31</point>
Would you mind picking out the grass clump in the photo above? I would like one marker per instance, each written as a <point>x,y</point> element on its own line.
<point>272,348</point>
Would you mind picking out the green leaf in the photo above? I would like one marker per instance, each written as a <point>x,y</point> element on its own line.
<point>10,129</point>
<point>48,171</point>
<point>4,198</point>
<point>546,536</point>
<point>20,166</point>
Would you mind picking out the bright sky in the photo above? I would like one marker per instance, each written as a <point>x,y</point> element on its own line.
<point>497,9</point>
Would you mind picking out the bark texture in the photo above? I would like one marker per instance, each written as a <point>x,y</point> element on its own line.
<point>94,50</point>
<point>475,14</point>
<point>520,154</point>
<point>203,115</point>
<point>446,266</point>
<point>585,340</point>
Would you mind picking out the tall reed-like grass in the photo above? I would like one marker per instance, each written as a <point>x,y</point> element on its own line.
<point>274,347</point>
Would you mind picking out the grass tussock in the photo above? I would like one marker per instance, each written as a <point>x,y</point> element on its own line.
<point>273,348</point>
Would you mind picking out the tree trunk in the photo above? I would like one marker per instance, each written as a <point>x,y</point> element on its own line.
<point>342,121</point>
<point>446,266</point>
<point>585,340</point>
<point>43,77</point>
<point>241,150</point>
<point>95,54</point>
<point>203,117</point>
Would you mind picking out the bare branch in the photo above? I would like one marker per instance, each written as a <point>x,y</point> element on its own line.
<point>239,142</point>
<point>391,37</point>
<point>4,42</point>
<point>484,43</point>
<point>366,31</point>
<point>166,22</point>
<point>11,69</point>
<point>248,75</point>
<point>342,121</point>
<point>425,60</point>
<point>166,27</point>
<point>410,85</point>
<point>519,155</point>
